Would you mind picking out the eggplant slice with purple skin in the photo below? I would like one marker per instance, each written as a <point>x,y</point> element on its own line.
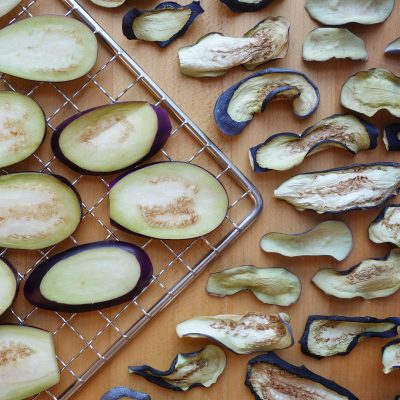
<point>163,25</point>
<point>271,378</point>
<point>188,370</point>
<point>386,227</point>
<point>8,5</point>
<point>122,393</point>
<point>393,48</point>
<point>391,356</point>
<point>326,336</point>
<point>391,137</point>
<point>240,6</point>
<point>8,285</point>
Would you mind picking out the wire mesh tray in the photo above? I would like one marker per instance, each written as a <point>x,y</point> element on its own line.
<point>85,342</point>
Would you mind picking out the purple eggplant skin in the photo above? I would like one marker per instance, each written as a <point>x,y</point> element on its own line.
<point>121,392</point>
<point>32,286</point>
<point>381,215</point>
<point>391,138</point>
<point>302,372</point>
<point>129,17</point>
<point>393,342</point>
<point>240,6</point>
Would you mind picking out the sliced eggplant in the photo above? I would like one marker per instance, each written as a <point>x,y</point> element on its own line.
<point>326,336</point>
<point>386,227</point>
<point>391,137</point>
<point>163,25</point>
<point>356,187</point>
<point>235,108</point>
<point>28,362</point>
<point>188,370</point>
<point>8,5</point>
<point>111,138</point>
<point>283,151</point>
<point>89,277</point>
<point>108,3</point>
<point>122,393</point>
<point>214,54</point>
<point>168,200</point>
<point>47,48</point>
<point>242,334</point>
<point>391,356</point>
<point>246,5</point>
<point>271,378</point>
<point>393,47</point>
<point>8,285</point>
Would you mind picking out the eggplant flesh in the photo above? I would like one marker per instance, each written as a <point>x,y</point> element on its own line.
<point>246,5</point>
<point>8,285</point>
<point>386,227</point>
<point>122,393</point>
<point>7,5</point>
<point>108,3</point>
<point>188,370</point>
<point>391,137</point>
<point>391,356</point>
<point>393,47</point>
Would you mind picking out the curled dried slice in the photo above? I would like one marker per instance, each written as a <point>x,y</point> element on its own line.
<point>188,370</point>
<point>8,284</point>
<point>123,393</point>
<point>108,3</point>
<point>391,356</point>
<point>242,334</point>
<point>391,137</point>
<point>386,227</point>
<point>393,47</point>
<point>7,5</point>
<point>246,5</point>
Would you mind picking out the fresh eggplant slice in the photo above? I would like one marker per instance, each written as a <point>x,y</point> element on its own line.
<point>89,277</point>
<point>168,200</point>
<point>8,285</point>
<point>188,370</point>
<point>236,107</point>
<point>269,285</point>
<point>356,187</point>
<point>242,334</point>
<point>342,12</point>
<point>47,48</point>
<point>329,238</point>
<point>391,137</point>
<point>7,5</point>
<point>37,210</point>
<point>391,356</point>
<point>393,47</point>
<point>326,336</point>
<point>108,3</point>
<point>111,138</point>
<point>286,150</point>
<point>28,362</point>
<point>246,5</point>
<point>271,378</point>
<point>386,227</point>
<point>163,25</point>
<point>214,54</point>
<point>122,393</point>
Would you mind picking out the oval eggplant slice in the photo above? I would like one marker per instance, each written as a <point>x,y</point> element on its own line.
<point>386,227</point>
<point>168,200</point>
<point>47,48</point>
<point>188,370</point>
<point>163,25</point>
<point>271,378</point>
<point>326,336</point>
<point>242,334</point>
<point>7,5</point>
<point>108,3</point>
<point>89,277</point>
<point>8,285</point>
<point>28,362</point>
<point>122,393</point>
<point>269,285</point>
<point>391,356</point>
<point>236,107</point>
<point>246,5</point>
<point>356,187</point>
<point>391,137</point>
<point>393,47</point>
<point>111,138</point>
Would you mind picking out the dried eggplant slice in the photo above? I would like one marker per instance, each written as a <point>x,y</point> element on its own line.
<point>271,378</point>
<point>7,5</point>
<point>269,285</point>
<point>108,3</point>
<point>214,54</point>
<point>356,187</point>
<point>393,47</point>
<point>286,150</point>
<point>8,284</point>
<point>329,238</point>
<point>386,227</point>
<point>188,370</point>
<point>242,334</point>
<point>323,44</point>
<point>246,5</point>
<point>391,356</point>
<point>236,107</point>
<point>326,336</point>
<point>391,137</point>
<point>123,393</point>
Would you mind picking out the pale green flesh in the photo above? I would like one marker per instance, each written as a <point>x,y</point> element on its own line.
<point>7,5</point>
<point>108,3</point>
<point>393,46</point>
<point>8,287</point>
<point>388,229</point>
<point>391,358</point>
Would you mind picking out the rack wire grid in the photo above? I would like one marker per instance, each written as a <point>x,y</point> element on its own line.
<point>85,342</point>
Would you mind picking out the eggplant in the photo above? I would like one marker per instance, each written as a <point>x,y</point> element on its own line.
<point>168,200</point>
<point>326,336</point>
<point>240,6</point>
<point>122,393</point>
<point>89,277</point>
<point>163,25</point>
<point>8,5</point>
<point>8,285</point>
<point>236,107</point>
<point>28,362</point>
<point>269,285</point>
<point>111,138</point>
<point>214,54</point>
<point>242,334</point>
<point>391,137</point>
<point>393,48</point>
<point>269,377</point>
<point>356,187</point>
<point>386,227</point>
<point>329,238</point>
<point>391,356</point>
<point>108,3</point>
<point>188,370</point>
<point>47,48</point>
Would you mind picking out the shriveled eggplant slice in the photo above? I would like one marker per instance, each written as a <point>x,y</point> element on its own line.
<point>108,3</point>
<point>271,378</point>
<point>214,54</point>
<point>111,138</point>
<point>89,277</point>
<point>269,285</point>
<point>386,227</point>
<point>163,25</point>
<point>8,285</point>
<point>47,48</point>
<point>393,47</point>
<point>246,5</point>
<point>391,137</point>
<point>391,356</point>
<point>286,150</point>
<point>236,107</point>
<point>28,362</point>
<point>329,238</point>
<point>356,187</point>
<point>122,393</point>
<point>168,200</point>
<point>342,12</point>
<point>326,336</point>
<point>242,334</point>
<point>7,5</point>
<point>188,370</point>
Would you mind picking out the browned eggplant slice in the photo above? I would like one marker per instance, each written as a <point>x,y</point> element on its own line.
<point>386,227</point>
<point>391,356</point>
